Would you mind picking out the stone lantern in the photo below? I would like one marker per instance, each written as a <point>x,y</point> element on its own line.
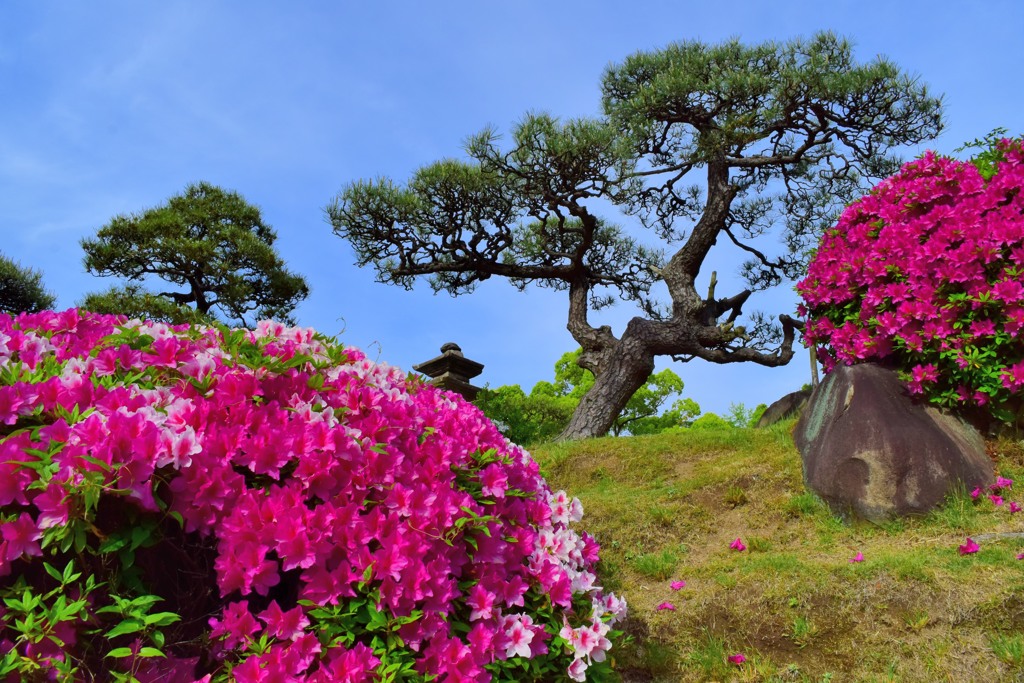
<point>452,371</point>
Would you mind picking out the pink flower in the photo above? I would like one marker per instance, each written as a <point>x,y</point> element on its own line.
<point>737,658</point>
<point>1014,507</point>
<point>494,482</point>
<point>283,625</point>
<point>1002,483</point>
<point>236,627</point>
<point>1020,556</point>
<point>578,670</point>
<point>976,492</point>
<point>666,606</point>
<point>969,547</point>
<point>519,637</point>
<point>859,557</point>
<point>996,500</point>
<point>21,537</point>
<point>738,545</point>
<point>677,585</point>
<point>481,602</point>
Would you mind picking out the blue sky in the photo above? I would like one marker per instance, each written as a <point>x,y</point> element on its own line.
<point>113,107</point>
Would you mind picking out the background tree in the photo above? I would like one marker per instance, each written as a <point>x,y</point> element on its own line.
<point>526,418</point>
<point>135,302</point>
<point>209,243</point>
<point>546,410</point>
<point>739,415</point>
<point>21,289</point>
<point>697,143</point>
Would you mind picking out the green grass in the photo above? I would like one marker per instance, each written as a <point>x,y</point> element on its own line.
<point>667,507</point>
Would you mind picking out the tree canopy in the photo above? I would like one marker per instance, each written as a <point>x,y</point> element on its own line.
<point>697,144</point>
<point>21,289</point>
<point>211,245</point>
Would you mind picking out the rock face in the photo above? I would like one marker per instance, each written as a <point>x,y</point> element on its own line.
<point>869,450</point>
<point>785,407</point>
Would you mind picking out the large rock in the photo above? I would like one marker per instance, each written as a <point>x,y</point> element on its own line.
<point>868,449</point>
<point>789,405</point>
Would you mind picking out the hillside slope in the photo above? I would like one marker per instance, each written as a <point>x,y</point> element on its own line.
<point>666,509</point>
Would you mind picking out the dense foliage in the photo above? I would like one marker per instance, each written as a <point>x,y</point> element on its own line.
<point>698,145</point>
<point>197,503</point>
<point>925,273</point>
<point>21,289</point>
<point>546,410</point>
<point>210,245</point>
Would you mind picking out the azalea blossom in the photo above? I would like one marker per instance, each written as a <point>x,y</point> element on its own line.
<point>298,462</point>
<point>859,557</point>
<point>738,545</point>
<point>1014,506</point>
<point>922,272</point>
<point>737,658</point>
<point>677,585</point>
<point>666,606</point>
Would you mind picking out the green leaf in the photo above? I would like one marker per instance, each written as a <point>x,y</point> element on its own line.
<point>151,652</point>
<point>161,619</point>
<point>126,626</point>
<point>52,572</point>
<point>119,652</point>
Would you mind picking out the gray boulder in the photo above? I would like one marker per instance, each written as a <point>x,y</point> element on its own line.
<point>867,448</point>
<point>786,407</point>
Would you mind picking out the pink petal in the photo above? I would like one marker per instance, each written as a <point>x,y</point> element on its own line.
<point>737,658</point>
<point>738,545</point>
<point>1020,556</point>
<point>859,557</point>
<point>969,547</point>
<point>677,585</point>
<point>666,606</point>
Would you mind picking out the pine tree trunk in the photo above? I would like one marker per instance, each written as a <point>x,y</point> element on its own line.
<point>631,365</point>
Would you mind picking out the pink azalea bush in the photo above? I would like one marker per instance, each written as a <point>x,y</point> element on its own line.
<point>926,273</point>
<point>201,504</point>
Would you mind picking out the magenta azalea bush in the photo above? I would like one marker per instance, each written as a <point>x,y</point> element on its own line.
<point>202,504</point>
<point>925,274</point>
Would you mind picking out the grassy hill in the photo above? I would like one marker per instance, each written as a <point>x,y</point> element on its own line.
<point>666,508</point>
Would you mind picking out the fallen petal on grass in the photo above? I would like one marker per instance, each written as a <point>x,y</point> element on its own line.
<point>969,547</point>
<point>996,500</point>
<point>677,585</point>
<point>859,557</point>
<point>737,658</point>
<point>666,606</point>
<point>738,545</point>
<point>1014,507</point>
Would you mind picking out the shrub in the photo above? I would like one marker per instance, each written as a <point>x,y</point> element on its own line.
<point>196,503</point>
<point>924,274</point>
<point>711,421</point>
